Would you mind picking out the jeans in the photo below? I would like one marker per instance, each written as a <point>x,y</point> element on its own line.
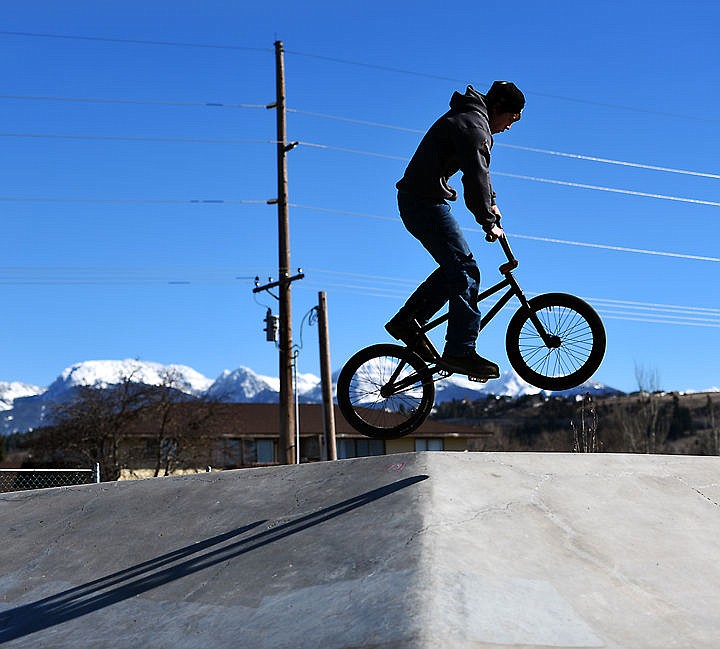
<point>457,280</point>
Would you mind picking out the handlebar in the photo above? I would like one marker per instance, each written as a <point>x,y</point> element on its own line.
<point>512,262</point>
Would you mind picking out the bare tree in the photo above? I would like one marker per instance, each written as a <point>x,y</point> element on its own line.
<point>711,437</point>
<point>714,428</point>
<point>648,385</point>
<point>645,421</point>
<point>585,427</point>
<point>92,426</point>
<point>176,427</point>
<point>167,438</point>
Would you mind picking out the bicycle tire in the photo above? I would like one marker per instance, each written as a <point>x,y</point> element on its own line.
<point>581,335</point>
<point>376,415</point>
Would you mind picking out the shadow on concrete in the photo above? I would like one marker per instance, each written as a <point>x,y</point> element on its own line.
<point>125,584</point>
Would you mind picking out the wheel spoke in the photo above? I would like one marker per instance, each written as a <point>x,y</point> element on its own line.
<point>574,333</point>
<point>385,391</point>
<point>576,342</point>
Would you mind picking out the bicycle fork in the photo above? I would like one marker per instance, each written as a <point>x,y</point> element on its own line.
<point>551,341</point>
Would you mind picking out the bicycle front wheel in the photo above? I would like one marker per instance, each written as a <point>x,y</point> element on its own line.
<point>385,391</point>
<point>577,346</point>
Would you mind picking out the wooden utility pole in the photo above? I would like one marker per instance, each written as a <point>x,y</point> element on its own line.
<point>286,452</point>
<point>330,451</point>
<point>288,420</point>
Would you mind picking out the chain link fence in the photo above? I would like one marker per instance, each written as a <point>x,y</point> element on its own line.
<point>23,479</point>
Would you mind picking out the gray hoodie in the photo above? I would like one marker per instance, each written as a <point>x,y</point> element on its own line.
<point>460,140</point>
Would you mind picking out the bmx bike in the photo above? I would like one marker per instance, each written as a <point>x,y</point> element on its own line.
<point>554,341</point>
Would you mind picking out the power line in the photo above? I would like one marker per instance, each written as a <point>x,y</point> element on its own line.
<point>385,68</point>
<point>387,278</point>
<point>373,66</point>
<point>426,75</point>
<point>564,154</point>
<point>119,282</point>
<point>130,138</point>
<point>196,201</point>
<point>345,212</point>
<point>123,275</point>
<point>355,151</point>
<point>576,156</point>
<point>607,302</point>
<point>618,248</point>
<point>624,163</point>
<point>628,305</point>
<point>564,183</point>
<point>141,102</point>
<point>654,306</point>
<point>327,210</point>
<point>606,311</point>
<point>614,190</point>
<point>327,147</point>
<point>352,120</point>
<point>522,236</point>
<point>392,287</point>
<point>135,41</point>
<point>315,208</point>
<point>659,320</point>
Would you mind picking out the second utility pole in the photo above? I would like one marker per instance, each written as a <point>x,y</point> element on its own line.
<point>287,451</point>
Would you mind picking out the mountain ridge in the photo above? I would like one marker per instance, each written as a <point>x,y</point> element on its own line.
<point>25,407</point>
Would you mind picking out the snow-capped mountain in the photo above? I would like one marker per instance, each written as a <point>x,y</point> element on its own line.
<point>31,407</point>
<point>16,390</point>
<point>244,386</point>
<point>460,387</point>
<point>25,407</point>
<point>101,374</point>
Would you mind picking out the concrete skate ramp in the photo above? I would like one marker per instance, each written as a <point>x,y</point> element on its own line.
<point>428,550</point>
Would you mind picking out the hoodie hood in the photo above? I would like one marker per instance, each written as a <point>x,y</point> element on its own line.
<point>471,100</point>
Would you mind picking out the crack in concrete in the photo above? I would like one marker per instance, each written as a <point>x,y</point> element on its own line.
<point>698,491</point>
<point>481,513</point>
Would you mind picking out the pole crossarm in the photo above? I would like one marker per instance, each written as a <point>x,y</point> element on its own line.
<point>280,282</point>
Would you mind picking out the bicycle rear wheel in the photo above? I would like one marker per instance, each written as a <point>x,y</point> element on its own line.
<point>385,391</point>
<point>578,342</point>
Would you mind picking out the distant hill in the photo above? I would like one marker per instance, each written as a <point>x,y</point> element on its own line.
<point>25,407</point>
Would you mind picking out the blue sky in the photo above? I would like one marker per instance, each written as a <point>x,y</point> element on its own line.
<point>107,254</point>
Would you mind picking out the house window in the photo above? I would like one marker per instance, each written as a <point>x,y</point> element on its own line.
<point>430,444</point>
<point>234,452</point>
<point>347,448</point>
<point>265,449</point>
<point>258,451</point>
<point>227,453</point>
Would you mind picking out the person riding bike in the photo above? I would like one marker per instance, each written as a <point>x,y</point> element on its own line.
<point>460,140</point>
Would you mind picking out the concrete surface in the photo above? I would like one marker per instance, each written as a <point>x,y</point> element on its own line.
<point>428,550</point>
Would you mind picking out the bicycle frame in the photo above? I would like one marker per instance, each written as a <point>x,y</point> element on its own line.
<point>554,341</point>
<point>513,290</point>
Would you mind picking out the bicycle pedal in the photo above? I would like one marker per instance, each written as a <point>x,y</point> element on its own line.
<point>478,379</point>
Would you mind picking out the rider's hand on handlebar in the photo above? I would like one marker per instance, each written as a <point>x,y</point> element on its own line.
<point>495,233</point>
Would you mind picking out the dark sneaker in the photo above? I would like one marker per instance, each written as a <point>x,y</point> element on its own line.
<point>473,365</point>
<point>409,332</point>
